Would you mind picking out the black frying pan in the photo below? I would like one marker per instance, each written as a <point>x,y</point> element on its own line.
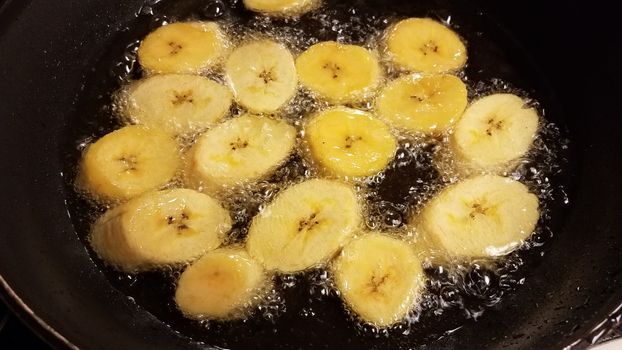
<point>567,55</point>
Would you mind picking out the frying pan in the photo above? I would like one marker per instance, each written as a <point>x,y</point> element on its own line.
<point>570,60</point>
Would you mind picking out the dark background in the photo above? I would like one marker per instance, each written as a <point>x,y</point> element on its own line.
<point>15,335</point>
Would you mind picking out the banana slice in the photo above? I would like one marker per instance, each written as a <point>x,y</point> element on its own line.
<point>424,45</point>
<point>188,48</point>
<point>379,278</point>
<point>427,104</point>
<point>267,81</point>
<point>239,151</point>
<point>349,142</point>
<point>304,226</point>
<point>484,216</point>
<point>179,104</point>
<point>339,73</point>
<point>128,162</point>
<point>283,8</point>
<point>220,285</point>
<point>160,228</point>
<point>494,131</point>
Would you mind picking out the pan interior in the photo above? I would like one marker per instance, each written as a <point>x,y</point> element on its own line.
<point>307,301</point>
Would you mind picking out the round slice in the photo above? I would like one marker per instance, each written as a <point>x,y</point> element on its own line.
<point>304,226</point>
<point>267,81</point>
<point>183,47</point>
<point>494,131</point>
<point>220,285</point>
<point>422,104</point>
<point>348,142</point>
<point>282,8</point>
<point>339,73</point>
<point>483,216</point>
<point>379,278</point>
<point>128,162</point>
<point>239,151</point>
<point>179,104</point>
<point>424,45</point>
<point>160,228</point>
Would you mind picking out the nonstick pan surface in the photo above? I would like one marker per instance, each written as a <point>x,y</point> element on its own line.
<point>50,53</point>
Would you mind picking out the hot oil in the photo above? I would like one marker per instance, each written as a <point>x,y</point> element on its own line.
<point>304,310</point>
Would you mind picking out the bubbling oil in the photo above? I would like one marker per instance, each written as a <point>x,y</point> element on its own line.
<point>419,170</point>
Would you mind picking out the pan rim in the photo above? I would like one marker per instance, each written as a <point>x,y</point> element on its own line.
<point>599,327</point>
<point>27,315</point>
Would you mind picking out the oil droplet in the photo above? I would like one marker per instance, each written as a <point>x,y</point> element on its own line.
<point>213,10</point>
